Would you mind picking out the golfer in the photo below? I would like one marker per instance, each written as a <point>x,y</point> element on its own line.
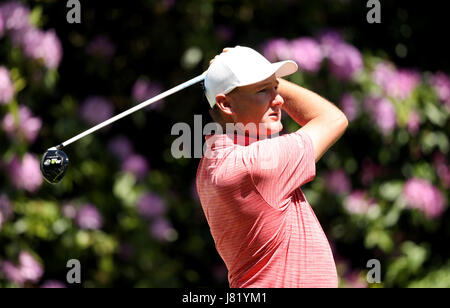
<point>250,182</point>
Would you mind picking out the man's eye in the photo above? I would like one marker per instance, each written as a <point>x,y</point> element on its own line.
<point>267,89</point>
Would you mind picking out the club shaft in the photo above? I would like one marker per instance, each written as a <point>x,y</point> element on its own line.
<point>134,109</point>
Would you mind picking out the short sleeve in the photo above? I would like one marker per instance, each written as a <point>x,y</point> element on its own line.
<point>280,165</point>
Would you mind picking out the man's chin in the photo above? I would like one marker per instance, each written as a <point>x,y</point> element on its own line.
<point>261,131</point>
<point>270,130</point>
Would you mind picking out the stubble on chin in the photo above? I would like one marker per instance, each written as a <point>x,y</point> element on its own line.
<point>271,130</point>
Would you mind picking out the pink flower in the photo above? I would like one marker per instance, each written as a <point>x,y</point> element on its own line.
<point>2,25</point>
<point>370,171</point>
<point>354,279</point>
<point>50,49</point>
<point>38,44</point>
<point>382,113</point>
<point>137,165</point>
<point>30,269</point>
<point>101,46</point>
<point>121,147</point>
<point>6,210</point>
<point>151,205</point>
<point>53,284</point>
<point>337,182</point>
<point>398,84</point>
<point>12,273</point>
<point>144,90</point>
<point>277,50</point>
<point>383,73</point>
<point>307,53</point>
<point>403,84</point>
<point>25,173</point>
<point>413,124</point>
<point>69,211</point>
<point>441,84</point>
<point>439,159</point>
<point>444,175</point>
<point>328,39</point>
<point>161,229</point>
<point>15,15</point>
<point>28,125</point>
<point>349,106</point>
<point>345,61</point>
<point>88,217</point>
<point>422,195</point>
<point>96,109</point>
<point>358,202</point>
<point>442,168</point>
<point>6,86</point>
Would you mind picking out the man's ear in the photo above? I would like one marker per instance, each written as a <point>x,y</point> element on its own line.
<point>223,102</point>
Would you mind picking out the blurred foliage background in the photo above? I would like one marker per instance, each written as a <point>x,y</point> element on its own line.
<point>128,210</point>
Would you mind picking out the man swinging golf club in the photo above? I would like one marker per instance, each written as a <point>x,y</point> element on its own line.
<point>249,183</point>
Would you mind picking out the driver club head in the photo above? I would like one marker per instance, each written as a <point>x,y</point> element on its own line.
<point>54,164</point>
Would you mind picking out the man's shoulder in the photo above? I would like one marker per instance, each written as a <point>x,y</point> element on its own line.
<point>230,169</point>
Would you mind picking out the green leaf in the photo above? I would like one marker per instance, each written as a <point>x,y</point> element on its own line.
<point>402,137</point>
<point>391,190</point>
<point>423,170</point>
<point>379,238</point>
<point>83,239</point>
<point>39,217</point>
<point>104,244</point>
<point>415,254</point>
<point>430,140</point>
<point>36,16</point>
<point>435,115</point>
<point>123,189</point>
<point>51,78</point>
<point>439,278</point>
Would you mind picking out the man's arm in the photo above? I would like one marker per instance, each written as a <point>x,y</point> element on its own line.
<point>319,118</point>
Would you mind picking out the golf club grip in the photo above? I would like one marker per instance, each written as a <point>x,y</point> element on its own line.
<point>135,108</point>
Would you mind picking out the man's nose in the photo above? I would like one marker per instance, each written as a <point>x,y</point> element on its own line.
<point>277,100</point>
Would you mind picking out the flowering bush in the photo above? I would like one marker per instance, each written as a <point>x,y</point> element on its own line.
<point>129,211</point>
<point>381,173</point>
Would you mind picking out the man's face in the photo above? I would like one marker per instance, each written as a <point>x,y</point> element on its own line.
<point>260,104</point>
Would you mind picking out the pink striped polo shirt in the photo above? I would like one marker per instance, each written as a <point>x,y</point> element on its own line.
<point>262,225</point>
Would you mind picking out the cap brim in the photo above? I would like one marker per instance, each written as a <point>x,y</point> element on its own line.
<point>280,69</point>
<point>284,68</point>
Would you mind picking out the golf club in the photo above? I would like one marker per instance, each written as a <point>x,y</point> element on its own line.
<point>54,162</point>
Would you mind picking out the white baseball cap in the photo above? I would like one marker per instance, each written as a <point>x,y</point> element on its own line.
<point>241,66</point>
